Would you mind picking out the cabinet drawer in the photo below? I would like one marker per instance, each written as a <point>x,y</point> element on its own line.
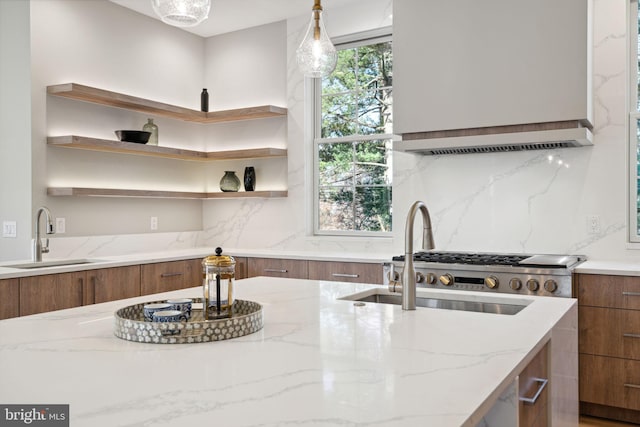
<point>291,268</point>
<point>346,272</point>
<point>609,291</point>
<point>533,391</point>
<point>163,277</point>
<point>610,381</point>
<point>609,332</point>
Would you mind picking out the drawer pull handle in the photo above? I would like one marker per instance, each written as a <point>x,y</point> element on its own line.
<point>632,386</point>
<point>631,335</point>
<point>532,400</point>
<point>274,270</point>
<point>352,276</point>
<point>170,274</point>
<point>631,294</point>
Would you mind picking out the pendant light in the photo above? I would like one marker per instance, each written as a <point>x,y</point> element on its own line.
<point>182,13</point>
<point>316,55</point>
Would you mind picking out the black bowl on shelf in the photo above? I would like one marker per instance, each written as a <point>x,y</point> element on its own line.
<point>137,136</point>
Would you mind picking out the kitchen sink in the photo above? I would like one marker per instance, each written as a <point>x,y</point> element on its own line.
<point>381,296</point>
<point>57,263</point>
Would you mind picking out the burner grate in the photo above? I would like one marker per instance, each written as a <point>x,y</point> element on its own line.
<point>466,258</point>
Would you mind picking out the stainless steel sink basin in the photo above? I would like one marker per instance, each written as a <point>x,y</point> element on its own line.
<point>443,303</point>
<point>58,263</point>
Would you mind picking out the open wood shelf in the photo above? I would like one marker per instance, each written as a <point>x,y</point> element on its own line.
<point>105,145</point>
<point>112,192</point>
<point>119,100</point>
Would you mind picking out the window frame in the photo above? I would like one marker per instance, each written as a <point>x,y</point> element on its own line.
<point>633,117</point>
<point>345,42</point>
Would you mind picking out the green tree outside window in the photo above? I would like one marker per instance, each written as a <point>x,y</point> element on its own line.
<point>353,143</point>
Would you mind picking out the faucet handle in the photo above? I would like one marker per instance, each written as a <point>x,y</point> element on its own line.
<point>45,246</point>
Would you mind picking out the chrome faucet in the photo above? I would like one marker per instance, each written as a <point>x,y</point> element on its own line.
<point>409,272</point>
<point>37,249</point>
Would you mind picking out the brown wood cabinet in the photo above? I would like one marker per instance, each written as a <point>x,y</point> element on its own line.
<point>346,272</point>
<point>533,391</point>
<point>53,292</point>
<point>241,267</point>
<point>9,298</point>
<point>169,276</point>
<point>109,284</point>
<point>275,267</point>
<point>609,346</point>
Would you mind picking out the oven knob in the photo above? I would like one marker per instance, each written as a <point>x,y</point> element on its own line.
<point>431,278</point>
<point>533,285</point>
<point>550,286</point>
<point>419,278</point>
<point>515,284</point>
<point>491,282</point>
<point>446,279</point>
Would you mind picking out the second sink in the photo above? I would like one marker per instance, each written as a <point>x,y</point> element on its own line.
<point>380,296</point>
<point>58,263</point>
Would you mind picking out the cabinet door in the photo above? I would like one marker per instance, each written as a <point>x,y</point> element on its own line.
<point>346,272</point>
<point>111,284</point>
<point>193,276</point>
<point>533,408</point>
<point>274,267</point>
<point>609,332</point>
<point>9,298</point>
<point>609,291</point>
<point>610,381</point>
<point>163,277</point>
<point>53,292</point>
<point>467,64</point>
<point>241,267</point>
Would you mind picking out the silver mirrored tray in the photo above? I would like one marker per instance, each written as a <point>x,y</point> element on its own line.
<point>130,325</point>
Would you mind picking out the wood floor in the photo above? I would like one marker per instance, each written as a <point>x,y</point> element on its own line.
<point>599,422</point>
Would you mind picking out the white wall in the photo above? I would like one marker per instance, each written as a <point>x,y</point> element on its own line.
<point>100,44</point>
<point>15,127</point>
<point>515,202</point>
<point>487,202</point>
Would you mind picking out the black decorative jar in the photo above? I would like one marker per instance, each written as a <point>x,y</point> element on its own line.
<point>249,178</point>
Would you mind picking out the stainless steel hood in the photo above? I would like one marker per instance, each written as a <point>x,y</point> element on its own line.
<point>496,140</point>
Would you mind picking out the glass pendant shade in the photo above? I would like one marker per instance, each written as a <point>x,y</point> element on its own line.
<point>316,55</point>
<point>182,13</point>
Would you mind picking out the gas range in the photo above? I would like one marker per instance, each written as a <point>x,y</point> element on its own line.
<point>522,274</point>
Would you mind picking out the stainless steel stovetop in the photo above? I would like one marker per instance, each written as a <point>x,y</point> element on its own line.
<point>522,274</point>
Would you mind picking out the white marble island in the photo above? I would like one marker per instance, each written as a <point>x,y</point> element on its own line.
<point>318,361</point>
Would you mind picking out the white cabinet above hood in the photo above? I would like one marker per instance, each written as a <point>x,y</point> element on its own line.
<point>488,76</point>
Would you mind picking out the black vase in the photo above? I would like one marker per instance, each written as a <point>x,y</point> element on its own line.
<point>249,178</point>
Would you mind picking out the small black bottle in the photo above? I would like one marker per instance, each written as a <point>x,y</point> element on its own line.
<point>204,101</point>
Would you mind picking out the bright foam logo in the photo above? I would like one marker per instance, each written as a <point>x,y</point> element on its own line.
<point>34,415</point>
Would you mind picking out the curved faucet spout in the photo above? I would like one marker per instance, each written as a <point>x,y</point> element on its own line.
<point>409,272</point>
<point>38,248</point>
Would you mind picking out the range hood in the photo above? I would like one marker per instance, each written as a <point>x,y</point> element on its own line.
<point>540,136</point>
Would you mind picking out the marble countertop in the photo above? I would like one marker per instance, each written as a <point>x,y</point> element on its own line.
<point>625,267</point>
<point>7,272</point>
<point>317,361</point>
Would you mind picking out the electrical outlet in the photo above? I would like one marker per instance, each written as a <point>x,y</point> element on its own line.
<point>154,223</point>
<point>593,224</point>
<point>61,226</point>
<point>9,229</point>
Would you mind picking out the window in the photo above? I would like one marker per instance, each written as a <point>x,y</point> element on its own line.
<point>634,125</point>
<point>352,140</point>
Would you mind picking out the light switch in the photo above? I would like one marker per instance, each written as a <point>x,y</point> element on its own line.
<point>9,229</point>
